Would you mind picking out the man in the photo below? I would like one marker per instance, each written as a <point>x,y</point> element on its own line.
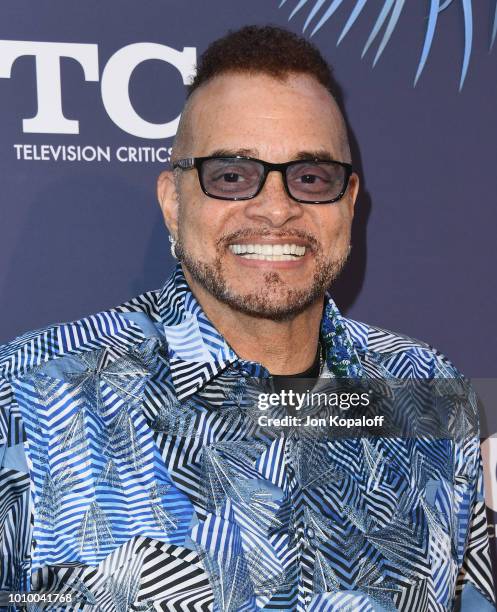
<point>136,473</point>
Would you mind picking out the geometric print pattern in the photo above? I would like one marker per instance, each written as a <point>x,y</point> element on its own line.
<point>134,476</point>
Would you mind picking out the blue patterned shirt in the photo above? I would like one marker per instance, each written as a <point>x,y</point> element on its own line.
<point>132,476</point>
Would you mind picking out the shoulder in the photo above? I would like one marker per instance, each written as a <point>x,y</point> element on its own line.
<point>120,328</point>
<point>397,354</point>
<point>430,376</point>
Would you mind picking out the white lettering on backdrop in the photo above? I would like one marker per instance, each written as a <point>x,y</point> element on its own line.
<point>116,74</point>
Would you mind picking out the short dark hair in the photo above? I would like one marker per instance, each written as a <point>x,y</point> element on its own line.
<point>263,49</point>
<point>267,50</point>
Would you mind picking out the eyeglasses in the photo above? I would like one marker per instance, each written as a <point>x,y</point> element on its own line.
<point>311,181</point>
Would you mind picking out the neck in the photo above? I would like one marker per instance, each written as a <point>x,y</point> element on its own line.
<point>283,347</point>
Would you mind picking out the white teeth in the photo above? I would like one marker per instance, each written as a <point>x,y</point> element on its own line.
<point>269,257</point>
<point>269,252</point>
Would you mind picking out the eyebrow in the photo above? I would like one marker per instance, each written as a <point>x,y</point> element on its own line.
<point>301,155</point>
<point>234,153</point>
<point>319,154</point>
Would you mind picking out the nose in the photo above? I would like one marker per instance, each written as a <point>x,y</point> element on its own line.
<point>273,205</point>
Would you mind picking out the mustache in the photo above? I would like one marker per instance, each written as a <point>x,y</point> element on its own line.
<point>248,233</point>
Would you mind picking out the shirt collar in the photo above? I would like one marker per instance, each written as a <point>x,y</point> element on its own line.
<point>198,352</point>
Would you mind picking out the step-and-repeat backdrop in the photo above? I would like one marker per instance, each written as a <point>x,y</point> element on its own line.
<point>90,94</point>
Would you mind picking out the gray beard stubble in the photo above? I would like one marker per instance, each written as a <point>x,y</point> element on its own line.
<point>260,305</point>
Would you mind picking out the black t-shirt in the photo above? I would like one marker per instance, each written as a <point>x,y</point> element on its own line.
<point>301,382</point>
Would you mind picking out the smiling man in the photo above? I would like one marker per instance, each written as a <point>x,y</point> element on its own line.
<point>261,205</point>
<point>135,470</point>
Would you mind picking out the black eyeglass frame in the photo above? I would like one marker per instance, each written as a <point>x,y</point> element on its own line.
<point>190,163</point>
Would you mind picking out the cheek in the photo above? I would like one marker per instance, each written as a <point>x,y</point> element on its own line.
<point>200,225</point>
<point>189,226</point>
<point>335,227</point>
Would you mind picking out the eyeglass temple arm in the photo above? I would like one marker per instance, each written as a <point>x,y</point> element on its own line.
<point>185,164</point>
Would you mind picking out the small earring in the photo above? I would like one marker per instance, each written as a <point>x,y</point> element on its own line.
<point>173,246</point>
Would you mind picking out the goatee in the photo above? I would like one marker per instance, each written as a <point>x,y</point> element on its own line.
<point>278,301</point>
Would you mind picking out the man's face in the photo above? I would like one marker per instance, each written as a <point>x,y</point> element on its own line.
<point>277,121</point>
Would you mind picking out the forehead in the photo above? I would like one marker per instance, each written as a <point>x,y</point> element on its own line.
<point>274,118</point>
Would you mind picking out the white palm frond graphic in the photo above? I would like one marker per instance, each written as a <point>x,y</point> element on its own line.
<point>321,11</point>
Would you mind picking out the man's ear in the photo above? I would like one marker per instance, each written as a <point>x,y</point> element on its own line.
<point>353,191</point>
<point>168,200</point>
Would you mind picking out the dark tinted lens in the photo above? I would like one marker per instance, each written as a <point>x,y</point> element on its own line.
<point>316,181</point>
<point>231,177</point>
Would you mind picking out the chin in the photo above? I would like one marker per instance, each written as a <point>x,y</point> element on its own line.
<point>267,294</point>
<point>260,304</point>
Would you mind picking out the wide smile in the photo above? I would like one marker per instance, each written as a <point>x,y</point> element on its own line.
<point>269,252</point>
